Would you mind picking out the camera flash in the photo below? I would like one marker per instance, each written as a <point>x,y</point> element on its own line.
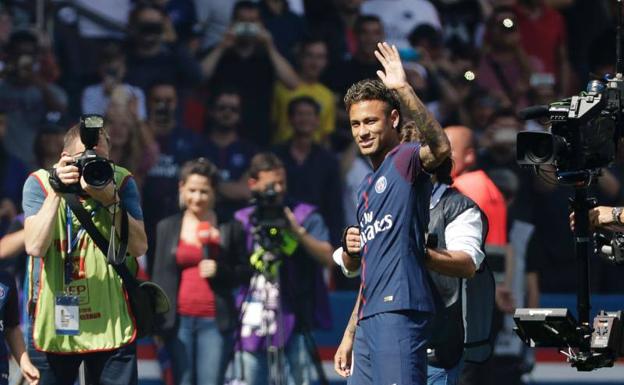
<point>508,23</point>
<point>469,75</point>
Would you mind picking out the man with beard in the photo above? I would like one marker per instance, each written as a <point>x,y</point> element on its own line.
<point>231,154</point>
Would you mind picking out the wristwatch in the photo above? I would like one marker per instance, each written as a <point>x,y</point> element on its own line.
<point>617,213</point>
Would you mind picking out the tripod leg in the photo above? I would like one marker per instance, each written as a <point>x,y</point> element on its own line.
<point>314,355</point>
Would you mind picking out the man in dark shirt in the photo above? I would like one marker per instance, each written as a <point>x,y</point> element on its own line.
<point>363,64</point>
<point>248,59</point>
<point>160,190</point>
<point>228,152</point>
<point>393,211</point>
<point>313,172</point>
<point>150,59</point>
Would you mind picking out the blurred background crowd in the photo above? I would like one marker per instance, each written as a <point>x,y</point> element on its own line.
<point>223,80</point>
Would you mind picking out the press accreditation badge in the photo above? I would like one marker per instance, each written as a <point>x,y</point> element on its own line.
<point>66,315</point>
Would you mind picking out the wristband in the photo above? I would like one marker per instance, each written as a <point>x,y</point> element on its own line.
<point>344,243</point>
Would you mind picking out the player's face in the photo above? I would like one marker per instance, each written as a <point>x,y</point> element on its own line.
<point>373,128</point>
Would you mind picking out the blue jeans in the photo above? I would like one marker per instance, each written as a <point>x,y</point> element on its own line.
<point>440,376</point>
<point>298,363</point>
<point>118,366</point>
<point>199,351</point>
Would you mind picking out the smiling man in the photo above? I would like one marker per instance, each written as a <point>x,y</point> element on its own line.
<point>393,213</point>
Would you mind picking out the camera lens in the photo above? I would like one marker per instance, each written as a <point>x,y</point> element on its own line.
<point>541,149</point>
<point>97,172</point>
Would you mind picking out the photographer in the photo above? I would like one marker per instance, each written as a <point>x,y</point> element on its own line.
<point>80,312</point>
<point>25,95</point>
<point>283,304</point>
<point>247,58</point>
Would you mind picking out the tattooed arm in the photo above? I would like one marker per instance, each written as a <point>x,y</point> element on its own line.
<point>436,146</point>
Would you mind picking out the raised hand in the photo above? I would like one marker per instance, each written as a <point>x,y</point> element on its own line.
<point>393,75</point>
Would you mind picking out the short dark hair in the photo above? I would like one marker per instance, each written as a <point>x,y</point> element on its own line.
<point>425,32</point>
<point>20,37</point>
<point>244,4</point>
<point>160,83</point>
<point>111,52</point>
<point>363,19</point>
<point>200,166</point>
<point>293,104</point>
<point>309,40</point>
<point>133,17</point>
<point>264,161</point>
<point>224,90</point>
<point>372,89</point>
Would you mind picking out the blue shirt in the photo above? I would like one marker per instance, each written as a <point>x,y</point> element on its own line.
<point>232,161</point>
<point>393,211</point>
<point>34,196</point>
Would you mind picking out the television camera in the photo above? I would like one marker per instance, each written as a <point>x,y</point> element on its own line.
<point>585,133</point>
<point>268,219</point>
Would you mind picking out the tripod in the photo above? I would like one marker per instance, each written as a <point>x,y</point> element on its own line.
<point>262,307</point>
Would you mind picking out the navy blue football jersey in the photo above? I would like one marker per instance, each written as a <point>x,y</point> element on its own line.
<point>393,214</point>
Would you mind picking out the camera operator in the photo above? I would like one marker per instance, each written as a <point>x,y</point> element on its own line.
<point>604,217</point>
<point>285,303</point>
<point>80,312</point>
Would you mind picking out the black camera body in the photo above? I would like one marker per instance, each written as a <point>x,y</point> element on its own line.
<point>268,219</point>
<point>557,328</point>
<point>96,170</point>
<point>585,130</point>
<point>610,245</point>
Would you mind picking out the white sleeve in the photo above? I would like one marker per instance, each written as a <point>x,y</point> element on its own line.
<point>338,259</point>
<point>465,233</point>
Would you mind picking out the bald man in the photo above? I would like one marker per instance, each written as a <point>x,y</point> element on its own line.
<point>476,185</point>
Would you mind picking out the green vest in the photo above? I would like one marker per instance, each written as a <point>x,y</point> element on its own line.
<point>106,320</point>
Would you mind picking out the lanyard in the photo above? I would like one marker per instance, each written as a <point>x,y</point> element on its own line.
<point>72,243</point>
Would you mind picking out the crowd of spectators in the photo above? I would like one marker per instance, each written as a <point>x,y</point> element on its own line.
<point>224,80</point>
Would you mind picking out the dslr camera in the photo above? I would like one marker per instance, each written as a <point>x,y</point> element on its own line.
<point>246,29</point>
<point>96,170</point>
<point>268,219</point>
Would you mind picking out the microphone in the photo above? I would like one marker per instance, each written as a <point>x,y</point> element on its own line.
<point>207,236</point>
<point>533,112</point>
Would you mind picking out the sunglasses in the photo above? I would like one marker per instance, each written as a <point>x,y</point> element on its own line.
<point>225,107</point>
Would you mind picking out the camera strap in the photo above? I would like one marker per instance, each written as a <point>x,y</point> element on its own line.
<point>85,220</point>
